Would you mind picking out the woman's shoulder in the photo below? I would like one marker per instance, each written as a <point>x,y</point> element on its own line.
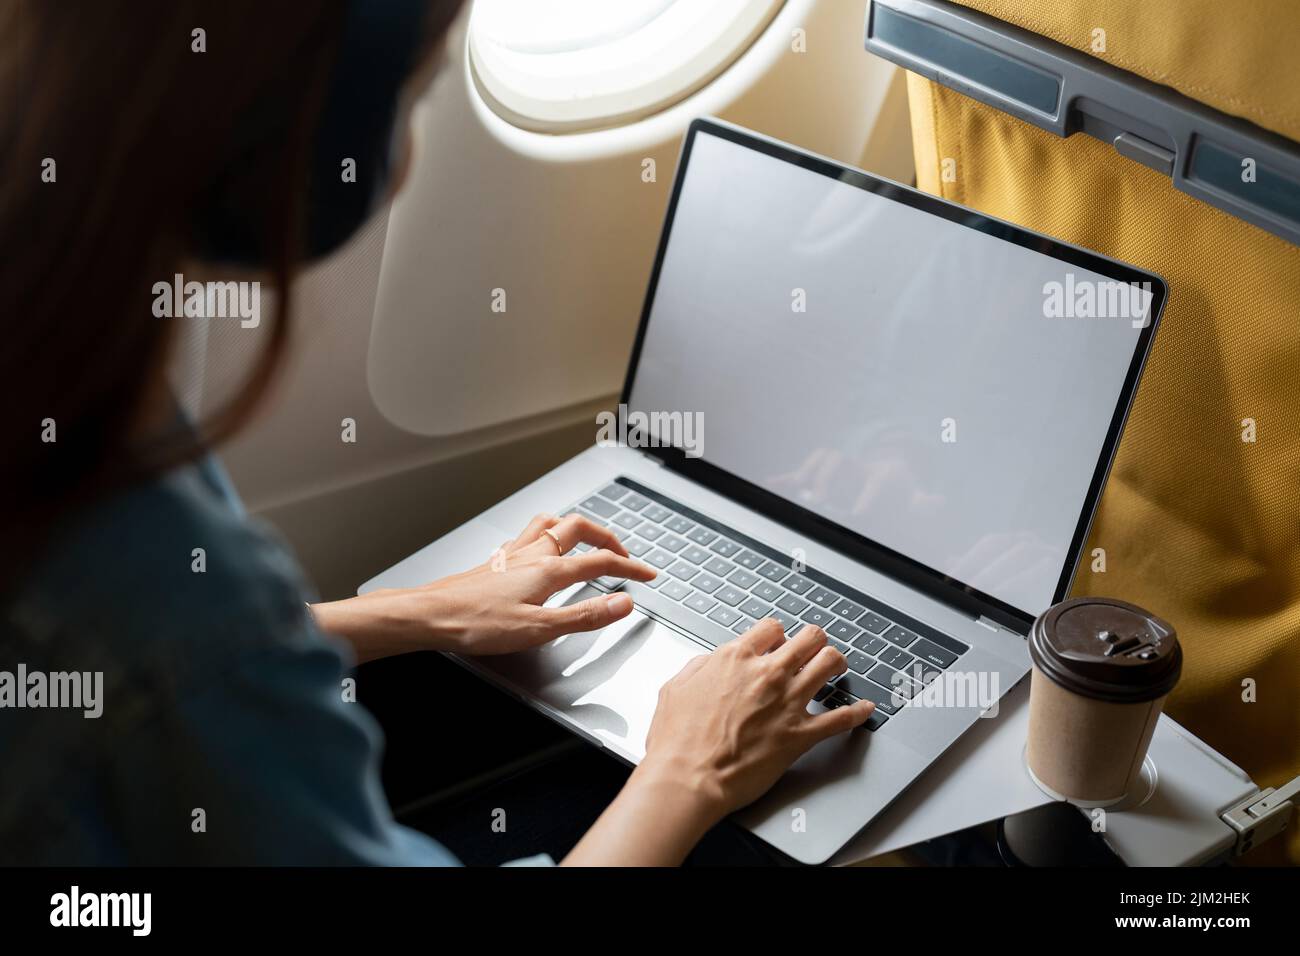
<point>166,571</point>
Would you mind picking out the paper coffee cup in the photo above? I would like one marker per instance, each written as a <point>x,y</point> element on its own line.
<point>1102,670</point>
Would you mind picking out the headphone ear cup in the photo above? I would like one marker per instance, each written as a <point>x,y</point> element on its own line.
<point>352,148</point>
<point>352,167</point>
<point>354,144</point>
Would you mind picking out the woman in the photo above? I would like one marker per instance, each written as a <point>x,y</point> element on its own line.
<point>141,140</point>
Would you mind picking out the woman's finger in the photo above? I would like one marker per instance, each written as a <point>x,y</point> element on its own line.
<point>595,564</point>
<point>764,636</point>
<point>571,530</point>
<point>589,615</point>
<point>531,532</point>
<point>803,647</point>
<point>825,665</point>
<point>838,721</point>
<point>575,529</point>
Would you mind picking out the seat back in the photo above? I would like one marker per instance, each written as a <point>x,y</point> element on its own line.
<point>1200,521</point>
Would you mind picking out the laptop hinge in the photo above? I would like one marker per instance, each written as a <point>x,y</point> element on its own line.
<point>991,624</point>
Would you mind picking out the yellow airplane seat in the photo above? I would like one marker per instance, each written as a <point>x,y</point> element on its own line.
<point>1172,144</point>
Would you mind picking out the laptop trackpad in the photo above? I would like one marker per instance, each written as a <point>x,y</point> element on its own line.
<point>607,681</point>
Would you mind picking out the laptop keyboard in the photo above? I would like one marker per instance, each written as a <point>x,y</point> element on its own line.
<point>716,583</point>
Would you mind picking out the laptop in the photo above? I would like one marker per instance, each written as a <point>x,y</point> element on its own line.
<point>849,404</point>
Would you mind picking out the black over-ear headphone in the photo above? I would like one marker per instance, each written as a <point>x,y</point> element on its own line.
<point>377,51</point>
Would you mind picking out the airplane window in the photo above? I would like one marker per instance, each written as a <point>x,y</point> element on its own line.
<point>570,65</point>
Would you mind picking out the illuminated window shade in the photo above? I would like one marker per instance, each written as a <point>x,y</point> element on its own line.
<point>561,66</point>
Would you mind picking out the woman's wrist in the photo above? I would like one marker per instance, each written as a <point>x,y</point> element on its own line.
<point>656,820</point>
<point>381,624</point>
<point>694,800</point>
<point>677,805</point>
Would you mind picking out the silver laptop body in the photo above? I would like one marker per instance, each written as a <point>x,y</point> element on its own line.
<point>852,404</point>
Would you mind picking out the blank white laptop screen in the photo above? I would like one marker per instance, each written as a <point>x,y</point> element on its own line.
<point>892,371</point>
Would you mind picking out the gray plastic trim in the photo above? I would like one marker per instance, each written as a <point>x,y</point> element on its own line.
<point>1224,161</point>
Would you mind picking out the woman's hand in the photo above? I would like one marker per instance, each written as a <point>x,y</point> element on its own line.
<point>733,721</point>
<point>725,730</point>
<point>495,608</point>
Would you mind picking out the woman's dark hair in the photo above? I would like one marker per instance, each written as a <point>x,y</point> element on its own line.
<point>116,133</point>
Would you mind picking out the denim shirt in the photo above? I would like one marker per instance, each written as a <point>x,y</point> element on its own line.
<point>224,735</point>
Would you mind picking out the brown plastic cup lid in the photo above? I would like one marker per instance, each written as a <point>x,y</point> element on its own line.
<point>1106,649</point>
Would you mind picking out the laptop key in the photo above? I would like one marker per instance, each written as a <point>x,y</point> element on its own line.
<point>839,646</point>
<point>702,535</point>
<point>848,610</point>
<point>864,689</point>
<point>659,559</point>
<point>900,636</point>
<point>823,691</point>
<point>794,605</point>
<point>797,583</point>
<point>896,658</point>
<point>704,628</point>
<point>670,542</point>
<point>924,674</point>
<point>636,547</point>
<point>858,661</point>
<point>706,582</point>
<point>748,559</point>
<point>718,566</point>
<point>844,631</point>
<point>756,609</point>
<point>599,506</point>
<point>613,492</point>
<point>627,520</point>
<point>675,589</point>
<point>889,678</point>
<point>743,625</point>
<point>789,624</point>
<point>873,622</point>
<point>742,578</point>
<point>772,571</point>
<point>730,596</point>
<point>695,554</point>
<point>611,582</point>
<point>683,570</point>
<point>815,615</point>
<point>700,603</point>
<point>766,591</point>
<point>724,547</point>
<point>724,615</point>
<point>679,524</point>
<point>656,513</point>
<point>822,597</point>
<point>633,502</point>
<point>876,720</point>
<point>936,655</point>
<point>650,532</point>
<point>869,643</point>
